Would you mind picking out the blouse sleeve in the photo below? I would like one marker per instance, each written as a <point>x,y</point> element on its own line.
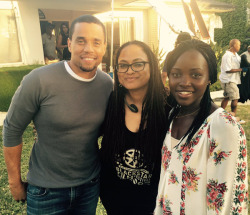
<point>227,187</point>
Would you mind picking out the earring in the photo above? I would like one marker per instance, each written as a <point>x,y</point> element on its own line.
<point>120,85</point>
<point>209,83</point>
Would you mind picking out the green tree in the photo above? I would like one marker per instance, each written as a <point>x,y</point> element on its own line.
<point>234,23</point>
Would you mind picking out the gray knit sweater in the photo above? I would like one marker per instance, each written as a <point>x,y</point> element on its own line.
<point>67,114</point>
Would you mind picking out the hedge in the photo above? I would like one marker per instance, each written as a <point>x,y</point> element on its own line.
<point>234,23</point>
<point>10,78</point>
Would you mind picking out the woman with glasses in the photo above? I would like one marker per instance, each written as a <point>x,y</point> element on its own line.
<point>133,133</point>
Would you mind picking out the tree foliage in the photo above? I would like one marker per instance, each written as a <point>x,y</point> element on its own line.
<point>234,23</point>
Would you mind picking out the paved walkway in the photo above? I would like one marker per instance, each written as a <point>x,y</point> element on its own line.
<point>2,116</point>
<point>216,96</point>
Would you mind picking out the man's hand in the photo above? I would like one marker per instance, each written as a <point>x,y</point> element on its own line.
<point>12,156</point>
<point>19,191</point>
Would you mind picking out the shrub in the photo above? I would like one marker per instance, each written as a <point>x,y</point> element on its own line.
<point>216,86</point>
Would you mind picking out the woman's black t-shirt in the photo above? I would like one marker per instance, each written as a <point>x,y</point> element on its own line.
<point>127,185</point>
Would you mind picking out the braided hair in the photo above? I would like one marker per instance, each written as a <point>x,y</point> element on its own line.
<point>205,104</point>
<point>153,118</point>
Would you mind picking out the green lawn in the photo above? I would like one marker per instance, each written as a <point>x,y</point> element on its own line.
<point>8,206</point>
<point>10,78</point>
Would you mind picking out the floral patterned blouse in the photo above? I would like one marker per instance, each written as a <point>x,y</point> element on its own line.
<point>210,177</point>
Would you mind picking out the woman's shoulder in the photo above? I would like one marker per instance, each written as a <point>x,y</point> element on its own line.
<point>222,116</point>
<point>224,124</point>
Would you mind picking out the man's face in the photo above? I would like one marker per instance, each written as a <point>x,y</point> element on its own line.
<point>49,30</point>
<point>237,46</point>
<point>87,48</point>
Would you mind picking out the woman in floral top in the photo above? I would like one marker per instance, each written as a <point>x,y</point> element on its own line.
<point>204,158</point>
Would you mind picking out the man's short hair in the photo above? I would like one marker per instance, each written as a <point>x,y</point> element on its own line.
<point>232,42</point>
<point>87,19</point>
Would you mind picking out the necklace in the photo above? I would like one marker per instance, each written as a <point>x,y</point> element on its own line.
<point>187,114</point>
<point>131,107</point>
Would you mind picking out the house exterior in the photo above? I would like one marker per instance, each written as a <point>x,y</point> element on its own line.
<point>22,23</point>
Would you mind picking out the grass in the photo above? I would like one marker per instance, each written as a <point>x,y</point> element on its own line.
<point>8,206</point>
<point>10,78</point>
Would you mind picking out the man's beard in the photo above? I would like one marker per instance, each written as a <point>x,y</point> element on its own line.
<point>84,69</point>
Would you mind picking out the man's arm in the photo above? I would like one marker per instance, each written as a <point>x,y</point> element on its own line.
<point>12,156</point>
<point>234,70</point>
<point>23,107</point>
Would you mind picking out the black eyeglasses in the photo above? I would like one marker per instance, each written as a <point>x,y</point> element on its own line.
<point>136,67</point>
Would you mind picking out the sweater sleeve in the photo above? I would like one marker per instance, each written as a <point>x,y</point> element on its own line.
<point>23,107</point>
<point>227,167</point>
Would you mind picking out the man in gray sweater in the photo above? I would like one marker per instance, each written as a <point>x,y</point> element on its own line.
<point>67,103</point>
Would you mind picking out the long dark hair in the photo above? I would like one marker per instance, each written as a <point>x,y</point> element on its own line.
<point>205,104</point>
<point>61,29</point>
<point>153,118</point>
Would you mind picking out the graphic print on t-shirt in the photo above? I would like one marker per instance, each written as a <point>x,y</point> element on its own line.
<point>129,168</point>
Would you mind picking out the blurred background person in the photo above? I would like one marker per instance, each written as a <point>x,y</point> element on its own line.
<point>246,56</point>
<point>49,44</point>
<point>230,76</point>
<point>244,87</point>
<point>62,41</point>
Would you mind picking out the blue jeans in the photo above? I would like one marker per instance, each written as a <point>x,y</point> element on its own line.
<point>74,200</point>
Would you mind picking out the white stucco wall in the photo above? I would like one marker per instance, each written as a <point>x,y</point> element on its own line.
<point>175,17</point>
<point>76,5</point>
<point>28,25</point>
